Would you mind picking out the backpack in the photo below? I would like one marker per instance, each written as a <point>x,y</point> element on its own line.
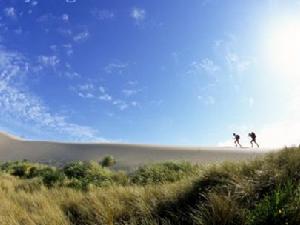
<point>237,137</point>
<point>253,135</point>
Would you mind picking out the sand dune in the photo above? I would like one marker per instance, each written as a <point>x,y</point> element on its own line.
<point>128,155</point>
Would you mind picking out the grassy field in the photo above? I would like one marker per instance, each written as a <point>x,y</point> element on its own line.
<point>262,191</point>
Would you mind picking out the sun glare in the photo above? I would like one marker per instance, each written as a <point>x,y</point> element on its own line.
<point>283,47</point>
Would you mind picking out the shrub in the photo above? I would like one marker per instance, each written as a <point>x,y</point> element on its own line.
<point>88,173</point>
<point>21,170</point>
<point>108,161</point>
<point>163,173</point>
<point>53,177</point>
<point>276,208</point>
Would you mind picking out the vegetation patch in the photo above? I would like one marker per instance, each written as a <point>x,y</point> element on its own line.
<point>258,192</point>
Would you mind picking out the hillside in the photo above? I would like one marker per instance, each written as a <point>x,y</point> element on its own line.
<point>128,155</point>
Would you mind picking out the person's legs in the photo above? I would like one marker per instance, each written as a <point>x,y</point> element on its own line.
<point>239,143</point>
<point>251,142</point>
<point>256,143</point>
<point>254,140</point>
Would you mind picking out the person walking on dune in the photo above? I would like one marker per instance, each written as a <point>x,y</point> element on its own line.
<point>252,135</point>
<point>237,140</point>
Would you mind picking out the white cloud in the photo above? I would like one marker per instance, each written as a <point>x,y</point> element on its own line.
<point>25,107</point>
<point>18,31</point>
<point>132,83</point>
<point>34,3</point>
<point>10,12</point>
<point>65,17</point>
<point>237,64</point>
<point>205,65</point>
<point>91,91</point>
<point>85,95</point>
<point>50,61</point>
<point>116,68</point>
<point>121,104</point>
<point>46,18</point>
<point>208,100</point>
<point>102,14</point>
<point>81,37</point>
<point>208,66</point>
<point>134,103</point>
<point>130,92</point>
<point>86,87</point>
<point>105,97</point>
<point>68,49</point>
<point>138,14</point>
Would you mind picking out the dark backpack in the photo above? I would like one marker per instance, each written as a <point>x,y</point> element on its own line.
<point>253,135</point>
<point>237,137</point>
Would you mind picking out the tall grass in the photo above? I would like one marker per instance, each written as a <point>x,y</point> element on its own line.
<point>262,191</point>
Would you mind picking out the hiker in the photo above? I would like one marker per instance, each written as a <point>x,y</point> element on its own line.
<point>252,135</point>
<point>236,140</point>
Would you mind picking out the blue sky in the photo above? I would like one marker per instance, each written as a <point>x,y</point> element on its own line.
<point>163,72</point>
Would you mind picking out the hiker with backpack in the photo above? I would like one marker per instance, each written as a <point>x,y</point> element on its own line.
<point>252,135</point>
<point>236,140</point>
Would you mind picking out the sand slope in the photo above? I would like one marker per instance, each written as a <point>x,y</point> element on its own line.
<point>128,155</point>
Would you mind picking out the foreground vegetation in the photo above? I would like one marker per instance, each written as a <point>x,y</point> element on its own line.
<point>262,191</point>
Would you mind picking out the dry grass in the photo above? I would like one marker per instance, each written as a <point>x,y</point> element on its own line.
<point>264,191</point>
<point>26,203</point>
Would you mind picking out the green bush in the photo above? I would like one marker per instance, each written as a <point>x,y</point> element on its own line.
<point>108,161</point>
<point>88,173</point>
<point>164,173</point>
<point>53,177</point>
<point>277,208</point>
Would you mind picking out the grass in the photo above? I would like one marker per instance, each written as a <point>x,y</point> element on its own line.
<point>262,191</point>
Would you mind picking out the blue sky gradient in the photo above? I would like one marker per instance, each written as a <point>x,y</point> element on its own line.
<point>163,72</point>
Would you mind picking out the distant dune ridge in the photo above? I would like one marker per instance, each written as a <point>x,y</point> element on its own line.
<point>128,156</point>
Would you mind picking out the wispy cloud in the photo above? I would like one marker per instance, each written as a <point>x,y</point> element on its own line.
<point>26,107</point>
<point>130,92</point>
<point>89,90</point>
<point>236,63</point>
<point>138,14</point>
<point>102,14</point>
<point>65,17</point>
<point>208,65</point>
<point>68,49</point>
<point>49,61</point>
<point>10,12</point>
<point>118,67</point>
<point>207,100</point>
<point>205,65</point>
<point>81,37</point>
<point>100,93</point>
<point>46,18</point>
<point>122,105</point>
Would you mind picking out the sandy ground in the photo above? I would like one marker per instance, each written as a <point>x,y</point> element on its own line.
<point>129,156</point>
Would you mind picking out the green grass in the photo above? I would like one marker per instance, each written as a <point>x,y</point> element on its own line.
<point>262,191</point>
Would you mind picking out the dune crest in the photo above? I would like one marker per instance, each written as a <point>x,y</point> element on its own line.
<point>127,155</point>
